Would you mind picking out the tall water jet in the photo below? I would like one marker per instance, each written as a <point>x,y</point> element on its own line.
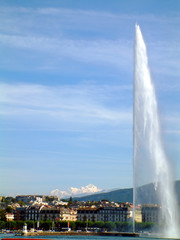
<point>150,162</point>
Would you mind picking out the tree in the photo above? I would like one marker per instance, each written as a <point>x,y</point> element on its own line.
<point>9,209</point>
<point>30,224</point>
<point>21,203</point>
<point>64,200</point>
<point>13,200</point>
<point>70,201</point>
<point>126,227</point>
<point>20,224</point>
<point>2,215</point>
<point>49,198</point>
<point>119,226</point>
<point>73,225</point>
<point>2,224</point>
<point>80,225</point>
<point>12,224</point>
<point>109,226</point>
<point>99,224</point>
<point>46,225</point>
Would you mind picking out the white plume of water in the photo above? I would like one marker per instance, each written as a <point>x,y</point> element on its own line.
<point>150,161</point>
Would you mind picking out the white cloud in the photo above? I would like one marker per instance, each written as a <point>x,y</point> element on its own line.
<point>74,107</point>
<point>115,52</point>
<point>81,16</point>
<point>65,104</point>
<point>56,40</point>
<point>73,191</point>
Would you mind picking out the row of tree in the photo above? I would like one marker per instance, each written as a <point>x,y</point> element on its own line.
<point>78,225</point>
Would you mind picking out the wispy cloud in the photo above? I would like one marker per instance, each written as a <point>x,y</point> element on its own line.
<point>99,51</point>
<point>68,104</point>
<point>80,105</point>
<point>46,39</point>
<point>82,15</point>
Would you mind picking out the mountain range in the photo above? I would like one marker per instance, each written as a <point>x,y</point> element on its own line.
<point>74,191</point>
<point>147,194</point>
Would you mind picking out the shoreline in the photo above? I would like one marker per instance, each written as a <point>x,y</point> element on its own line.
<point>71,233</point>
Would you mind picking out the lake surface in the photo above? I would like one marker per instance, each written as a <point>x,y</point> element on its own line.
<point>80,237</point>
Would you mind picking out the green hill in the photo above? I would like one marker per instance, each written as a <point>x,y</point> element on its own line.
<point>146,193</point>
<point>121,195</point>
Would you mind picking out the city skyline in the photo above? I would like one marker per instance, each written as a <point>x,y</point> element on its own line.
<point>67,90</point>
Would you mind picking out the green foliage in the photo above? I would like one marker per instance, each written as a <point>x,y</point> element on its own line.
<point>99,224</point>
<point>70,201</point>
<point>13,200</point>
<point>91,203</point>
<point>78,225</point>
<point>145,226</point>
<point>8,200</point>
<point>30,224</point>
<point>40,224</point>
<point>119,226</point>
<point>89,223</point>
<point>9,209</point>
<point>2,224</point>
<point>126,227</point>
<point>109,226</point>
<point>49,198</point>
<point>123,226</point>
<point>21,203</point>
<point>64,224</point>
<point>2,215</point>
<point>11,225</point>
<point>46,225</point>
<point>73,225</point>
<point>20,224</point>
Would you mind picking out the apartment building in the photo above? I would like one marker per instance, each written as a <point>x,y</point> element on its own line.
<point>32,213</point>
<point>9,217</point>
<point>44,213</point>
<point>104,214</point>
<point>28,198</point>
<point>68,214</point>
<point>47,213</point>
<point>87,214</point>
<point>150,213</point>
<point>56,214</point>
<point>20,214</point>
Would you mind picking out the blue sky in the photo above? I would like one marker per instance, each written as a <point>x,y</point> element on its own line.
<point>66,90</point>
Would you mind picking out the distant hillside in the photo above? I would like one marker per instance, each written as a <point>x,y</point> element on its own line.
<point>121,195</point>
<point>147,194</point>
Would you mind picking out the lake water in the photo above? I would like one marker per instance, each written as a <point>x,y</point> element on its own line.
<point>80,237</point>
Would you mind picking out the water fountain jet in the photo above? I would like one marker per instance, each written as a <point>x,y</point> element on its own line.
<point>150,162</point>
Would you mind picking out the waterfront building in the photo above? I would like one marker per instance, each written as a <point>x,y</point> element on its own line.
<point>20,214</point>
<point>32,213</point>
<point>68,214</point>
<point>9,217</point>
<point>113,214</point>
<point>150,213</point>
<point>56,214</point>
<point>138,214</point>
<point>104,214</point>
<point>87,214</point>
<point>49,213</point>
<point>35,213</point>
